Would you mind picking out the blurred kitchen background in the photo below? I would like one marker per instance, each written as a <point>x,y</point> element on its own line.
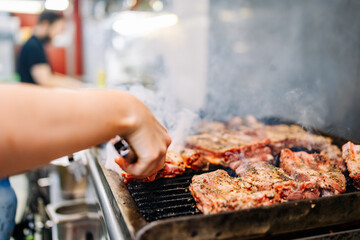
<point>299,60</point>
<point>294,59</point>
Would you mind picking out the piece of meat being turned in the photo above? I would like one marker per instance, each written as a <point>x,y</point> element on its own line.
<point>314,167</point>
<point>216,192</point>
<point>351,155</point>
<point>263,176</point>
<point>174,165</point>
<point>195,159</point>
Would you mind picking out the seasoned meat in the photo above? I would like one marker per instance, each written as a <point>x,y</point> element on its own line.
<point>351,155</point>
<point>315,168</point>
<point>210,127</point>
<point>216,192</point>
<point>243,123</point>
<point>226,147</point>
<point>262,176</point>
<point>174,165</point>
<point>288,136</point>
<point>334,154</point>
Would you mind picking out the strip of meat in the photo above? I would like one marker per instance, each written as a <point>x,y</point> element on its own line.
<point>263,176</point>
<point>351,155</point>
<point>174,165</point>
<point>222,148</point>
<point>288,136</point>
<point>210,127</point>
<point>200,160</point>
<point>216,192</point>
<point>316,168</point>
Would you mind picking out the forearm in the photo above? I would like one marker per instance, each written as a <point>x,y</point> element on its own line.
<point>43,76</point>
<point>60,121</point>
<point>62,81</point>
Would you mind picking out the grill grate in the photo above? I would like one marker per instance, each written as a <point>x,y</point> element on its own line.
<point>166,198</point>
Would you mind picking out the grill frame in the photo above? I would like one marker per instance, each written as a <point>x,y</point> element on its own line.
<point>266,221</point>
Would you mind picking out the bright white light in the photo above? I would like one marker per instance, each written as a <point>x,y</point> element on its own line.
<point>157,6</point>
<point>16,6</point>
<point>130,25</point>
<point>57,5</point>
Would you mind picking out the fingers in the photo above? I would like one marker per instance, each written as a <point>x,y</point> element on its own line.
<point>142,168</point>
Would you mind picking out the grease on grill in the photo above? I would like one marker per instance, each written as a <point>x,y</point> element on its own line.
<point>166,198</point>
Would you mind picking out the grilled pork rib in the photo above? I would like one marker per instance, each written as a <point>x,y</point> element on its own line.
<point>216,192</point>
<point>315,168</point>
<point>351,155</point>
<point>263,176</point>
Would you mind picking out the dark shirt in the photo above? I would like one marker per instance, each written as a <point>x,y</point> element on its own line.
<point>32,53</point>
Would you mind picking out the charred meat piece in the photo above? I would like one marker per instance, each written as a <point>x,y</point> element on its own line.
<point>216,192</point>
<point>174,165</point>
<point>351,155</point>
<point>263,176</point>
<point>314,167</point>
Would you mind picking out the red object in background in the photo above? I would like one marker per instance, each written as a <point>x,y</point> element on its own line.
<point>27,20</point>
<point>78,39</point>
<point>56,57</point>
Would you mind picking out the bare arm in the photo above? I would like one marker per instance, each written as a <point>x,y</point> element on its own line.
<point>43,76</point>
<point>40,124</point>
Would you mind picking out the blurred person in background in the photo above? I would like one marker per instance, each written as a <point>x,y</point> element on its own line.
<point>27,142</point>
<point>33,66</point>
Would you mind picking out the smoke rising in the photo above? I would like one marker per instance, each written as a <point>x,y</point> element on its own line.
<point>178,120</point>
<point>298,64</point>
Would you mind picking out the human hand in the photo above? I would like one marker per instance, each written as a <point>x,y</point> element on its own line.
<point>149,140</point>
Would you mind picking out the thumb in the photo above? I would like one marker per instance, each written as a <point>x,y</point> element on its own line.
<point>122,163</point>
